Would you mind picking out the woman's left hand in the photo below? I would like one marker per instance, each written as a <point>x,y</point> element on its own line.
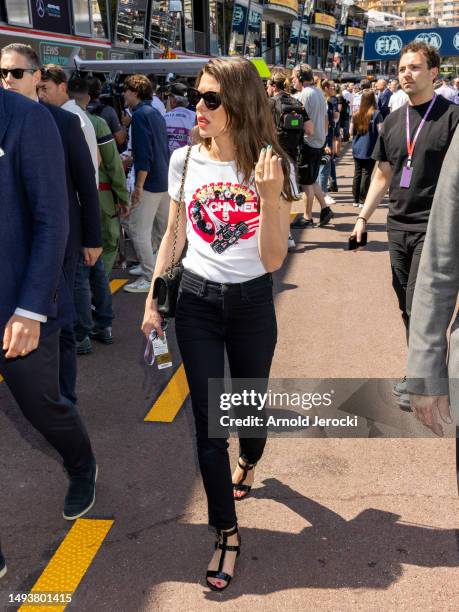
<point>269,176</point>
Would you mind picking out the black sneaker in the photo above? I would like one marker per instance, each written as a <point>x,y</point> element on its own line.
<point>83,347</point>
<point>102,334</point>
<point>400,388</point>
<point>2,565</point>
<point>81,494</point>
<point>301,222</point>
<point>326,215</point>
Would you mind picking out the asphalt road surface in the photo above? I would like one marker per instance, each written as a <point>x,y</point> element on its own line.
<point>333,524</point>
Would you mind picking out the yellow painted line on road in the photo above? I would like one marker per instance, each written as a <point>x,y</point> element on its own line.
<point>117,283</point>
<point>166,407</point>
<point>70,562</point>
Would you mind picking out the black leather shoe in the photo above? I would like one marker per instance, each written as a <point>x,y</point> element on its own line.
<point>326,215</point>
<point>2,565</point>
<point>103,335</point>
<point>81,494</point>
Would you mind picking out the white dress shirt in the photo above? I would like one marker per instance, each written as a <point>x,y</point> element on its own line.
<point>397,100</point>
<point>88,131</point>
<point>158,104</point>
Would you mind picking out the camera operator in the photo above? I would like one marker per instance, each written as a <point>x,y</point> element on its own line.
<point>107,112</point>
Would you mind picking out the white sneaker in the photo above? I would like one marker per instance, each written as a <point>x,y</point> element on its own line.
<point>329,201</point>
<point>291,242</point>
<point>355,204</point>
<point>138,286</point>
<point>360,205</point>
<point>136,270</point>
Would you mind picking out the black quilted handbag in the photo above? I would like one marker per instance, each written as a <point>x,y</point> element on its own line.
<point>166,286</point>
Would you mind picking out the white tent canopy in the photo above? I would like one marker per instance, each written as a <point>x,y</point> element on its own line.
<point>161,67</point>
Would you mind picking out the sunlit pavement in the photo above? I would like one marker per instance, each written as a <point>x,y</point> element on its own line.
<point>332,524</point>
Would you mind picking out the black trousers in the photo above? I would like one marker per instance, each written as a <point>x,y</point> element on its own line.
<point>34,382</point>
<point>362,178</point>
<point>405,250</point>
<point>211,317</point>
<point>67,341</point>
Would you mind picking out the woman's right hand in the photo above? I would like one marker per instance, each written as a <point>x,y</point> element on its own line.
<point>152,320</point>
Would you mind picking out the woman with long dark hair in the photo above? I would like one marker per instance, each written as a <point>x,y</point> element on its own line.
<point>237,194</point>
<point>366,123</point>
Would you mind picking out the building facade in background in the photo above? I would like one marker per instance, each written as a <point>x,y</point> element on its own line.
<point>445,12</point>
<point>392,7</point>
<point>418,13</point>
<point>328,34</point>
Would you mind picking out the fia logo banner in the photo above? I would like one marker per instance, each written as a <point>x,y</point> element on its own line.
<point>430,38</point>
<point>388,45</point>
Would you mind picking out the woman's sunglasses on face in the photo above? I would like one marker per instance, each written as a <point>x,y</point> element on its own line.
<point>211,98</point>
<point>16,73</point>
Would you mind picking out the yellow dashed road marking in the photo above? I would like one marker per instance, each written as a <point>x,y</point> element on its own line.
<point>117,283</point>
<point>171,399</point>
<point>70,562</point>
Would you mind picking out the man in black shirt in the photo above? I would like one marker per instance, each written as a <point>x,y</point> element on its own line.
<point>410,150</point>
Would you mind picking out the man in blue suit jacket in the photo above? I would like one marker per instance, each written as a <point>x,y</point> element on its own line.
<point>84,210</point>
<point>34,300</point>
<point>384,95</point>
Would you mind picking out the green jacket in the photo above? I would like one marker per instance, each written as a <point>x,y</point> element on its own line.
<point>110,169</point>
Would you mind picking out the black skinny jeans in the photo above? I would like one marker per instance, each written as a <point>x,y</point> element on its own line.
<point>362,178</point>
<point>211,317</point>
<point>405,249</point>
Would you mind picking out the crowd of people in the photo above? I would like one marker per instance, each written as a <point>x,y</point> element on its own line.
<point>215,166</point>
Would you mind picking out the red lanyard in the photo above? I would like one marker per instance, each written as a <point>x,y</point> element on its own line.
<point>411,144</point>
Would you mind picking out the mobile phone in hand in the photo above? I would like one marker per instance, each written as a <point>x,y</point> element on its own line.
<point>353,244</point>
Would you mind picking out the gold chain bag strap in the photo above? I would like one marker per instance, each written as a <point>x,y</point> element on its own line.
<point>165,289</point>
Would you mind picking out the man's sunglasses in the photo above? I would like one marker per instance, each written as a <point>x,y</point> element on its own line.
<point>211,98</point>
<point>16,73</point>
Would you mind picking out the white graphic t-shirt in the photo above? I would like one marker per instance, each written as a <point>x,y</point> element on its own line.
<point>222,218</point>
<point>179,122</point>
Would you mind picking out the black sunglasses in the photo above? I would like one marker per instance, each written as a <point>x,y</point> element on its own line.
<point>17,73</point>
<point>211,98</point>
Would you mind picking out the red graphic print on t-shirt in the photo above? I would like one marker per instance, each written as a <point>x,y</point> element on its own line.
<point>223,213</point>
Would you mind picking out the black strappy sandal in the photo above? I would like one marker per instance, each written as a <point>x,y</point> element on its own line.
<point>221,543</point>
<point>240,486</point>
